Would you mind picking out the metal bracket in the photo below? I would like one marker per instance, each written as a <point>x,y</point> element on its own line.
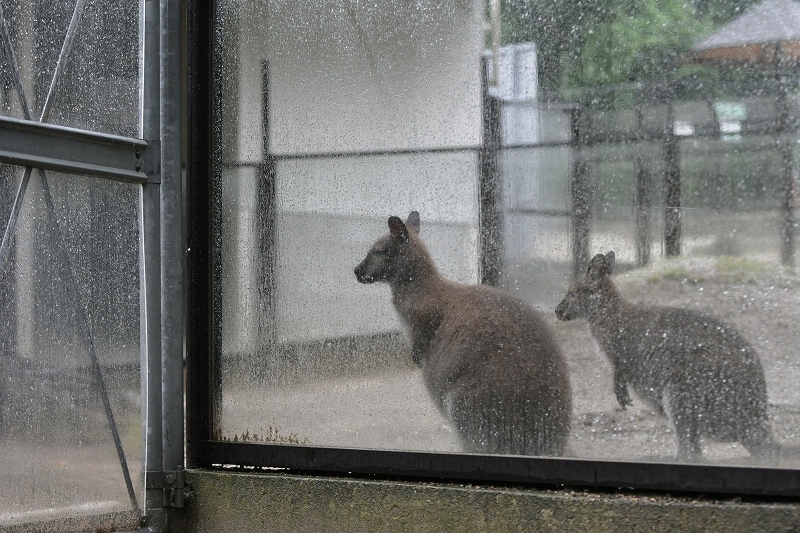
<point>151,160</point>
<point>172,484</point>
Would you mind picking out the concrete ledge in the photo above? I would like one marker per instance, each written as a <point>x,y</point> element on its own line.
<point>244,502</point>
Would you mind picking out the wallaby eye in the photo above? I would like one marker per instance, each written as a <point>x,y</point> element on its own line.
<point>380,251</point>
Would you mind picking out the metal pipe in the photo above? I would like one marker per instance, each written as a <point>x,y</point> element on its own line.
<point>150,272</point>
<point>12,218</point>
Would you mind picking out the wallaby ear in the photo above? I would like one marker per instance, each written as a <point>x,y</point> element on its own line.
<point>610,257</point>
<point>398,229</point>
<point>597,266</point>
<point>413,220</point>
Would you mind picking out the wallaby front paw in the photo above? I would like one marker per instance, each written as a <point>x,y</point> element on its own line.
<point>623,397</point>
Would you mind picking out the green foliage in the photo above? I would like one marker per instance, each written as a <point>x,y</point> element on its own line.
<point>585,43</point>
<point>639,43</point>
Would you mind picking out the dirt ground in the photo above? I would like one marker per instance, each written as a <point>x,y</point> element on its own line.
<point>392,409</point>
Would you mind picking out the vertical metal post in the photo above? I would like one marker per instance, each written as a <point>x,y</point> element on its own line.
<point>218,85</point>
<point>267,224</point>
<point>672,183</point>
<point>162,262</point>
<point>150,268</point>
<point>786,151</point>
<point>491,202</point>
<point>642,177</point>
<point>581,192</point>
<point>173,248</point>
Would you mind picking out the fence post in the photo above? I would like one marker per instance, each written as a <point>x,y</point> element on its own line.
<point>491,208</point>
<point>267,225</point>
<point>672,184</point>
<point>581,193</point>
<point>786,149</point>
<point>642,177</point>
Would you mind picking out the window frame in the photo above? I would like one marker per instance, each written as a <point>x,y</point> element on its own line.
<point>204,452</point>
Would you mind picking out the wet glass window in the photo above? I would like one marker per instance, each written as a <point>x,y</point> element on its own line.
<point>70,428</point>
<point>529,228</point>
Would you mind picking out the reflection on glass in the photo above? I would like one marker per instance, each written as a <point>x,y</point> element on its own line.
<point>615,133</point>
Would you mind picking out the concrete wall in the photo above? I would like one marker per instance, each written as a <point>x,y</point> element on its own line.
<point>235,502</point>
<point>343,77</point>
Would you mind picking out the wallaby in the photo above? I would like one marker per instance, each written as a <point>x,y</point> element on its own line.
<point>695,369</point>
<point>489,361</point>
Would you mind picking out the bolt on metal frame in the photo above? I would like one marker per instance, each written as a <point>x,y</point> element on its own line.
<point>154,162</point>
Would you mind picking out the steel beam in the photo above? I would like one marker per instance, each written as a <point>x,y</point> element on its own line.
<point>40,145</point>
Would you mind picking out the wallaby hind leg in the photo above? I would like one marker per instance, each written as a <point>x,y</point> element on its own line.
<point>758,441</point>
<point>688,433</point>
<point>471,426</point>
<point>484,426</point>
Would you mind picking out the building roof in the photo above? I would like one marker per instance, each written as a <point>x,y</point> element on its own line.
<point>770,21</point>
<point>757,36</point>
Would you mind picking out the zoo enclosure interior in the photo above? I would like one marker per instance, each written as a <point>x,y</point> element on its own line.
<point>299,358</point>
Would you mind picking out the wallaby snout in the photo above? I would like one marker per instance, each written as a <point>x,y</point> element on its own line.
<point>361,272</point>
<point>562,310</point>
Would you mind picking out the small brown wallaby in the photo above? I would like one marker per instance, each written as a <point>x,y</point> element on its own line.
<point>695,369</point>
<point>489,361</point>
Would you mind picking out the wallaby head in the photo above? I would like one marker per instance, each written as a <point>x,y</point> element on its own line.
<point>394,257</point>
<point>586,295</point>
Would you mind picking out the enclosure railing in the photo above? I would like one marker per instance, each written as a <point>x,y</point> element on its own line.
<point>649,117</point>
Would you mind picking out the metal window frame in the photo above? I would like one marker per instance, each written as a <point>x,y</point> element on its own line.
<point>205,452</point>
<point>153,161</point>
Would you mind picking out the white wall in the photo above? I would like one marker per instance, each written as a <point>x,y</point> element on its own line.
<point>348,76</point>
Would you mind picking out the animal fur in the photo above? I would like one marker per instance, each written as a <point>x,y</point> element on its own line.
<point>489,361</point>
<point>695,369</point>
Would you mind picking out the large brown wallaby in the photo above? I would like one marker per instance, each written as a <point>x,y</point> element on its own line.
<point>695,369</point>
<point>489,361</point>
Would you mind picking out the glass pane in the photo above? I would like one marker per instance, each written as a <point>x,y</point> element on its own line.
<point>99,87</point>
<point>293,222</point>
<point>618,131</point>
<point>70,290</point>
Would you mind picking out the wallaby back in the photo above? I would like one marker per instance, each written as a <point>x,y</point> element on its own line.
<point>489,361</point>
<point>699,371</point>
